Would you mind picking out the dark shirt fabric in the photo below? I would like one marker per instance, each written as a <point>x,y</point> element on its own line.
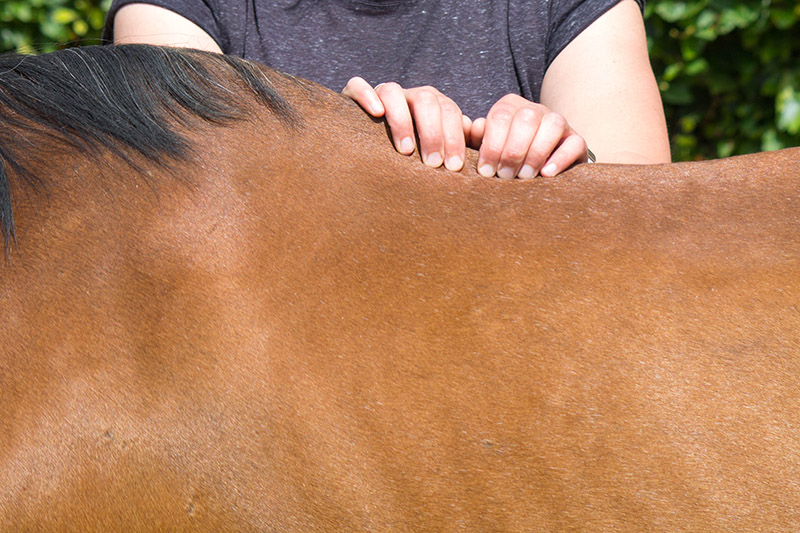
<point>474,51</point>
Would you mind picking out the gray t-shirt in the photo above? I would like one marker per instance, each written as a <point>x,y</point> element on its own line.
<point>474,51</point>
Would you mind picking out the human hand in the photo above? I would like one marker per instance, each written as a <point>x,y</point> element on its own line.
<point>441,127</point>
<point>521,138</point>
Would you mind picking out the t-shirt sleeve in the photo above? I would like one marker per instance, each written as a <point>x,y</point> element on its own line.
<point>201,12</point>
<point>568,18</point>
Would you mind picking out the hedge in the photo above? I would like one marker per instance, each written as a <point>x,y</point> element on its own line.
<point>727,69</point>
<point>729,74</point>
<point>33,26</point>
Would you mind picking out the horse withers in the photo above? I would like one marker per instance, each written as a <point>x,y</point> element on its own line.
<point>228,304</point>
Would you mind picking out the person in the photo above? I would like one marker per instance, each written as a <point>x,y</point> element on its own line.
<point>546,79</point>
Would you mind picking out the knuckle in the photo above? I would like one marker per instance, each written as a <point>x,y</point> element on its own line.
<point>452,146</point>
<point>512,99</point>
<point>391,86</point>
<point>529,115</point>
<point>448,106</point>
<point>430,137</point>
<point>453,134</point>
<point>491,151</point>
<point>426,97</point>
<point>400,125</point>
<point>429,133</point>
<point>500,114</point>
<point>557,120</point>
<point>513,155</point>
<point>536,157</point>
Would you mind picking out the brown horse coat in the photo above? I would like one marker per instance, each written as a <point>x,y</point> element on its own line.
<point>296,328</point>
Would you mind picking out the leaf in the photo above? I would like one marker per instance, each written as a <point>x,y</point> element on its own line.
<point>80,27</point>
<point>784,18</point>
<point>672,11</point>
<point>770,141</point>
<point>738,17</point>
<point>691,49</point>
<point>22,12</point>
<point>787,107</point>
<point>678,94</point>
<point>725,148</point>
<point>696,67</point>
<point>672,71</point>
<point>689,122</point>
<point>54,32</point>
<point>64,16</point>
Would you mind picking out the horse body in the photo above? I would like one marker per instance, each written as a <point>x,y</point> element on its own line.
<point>280,334</point>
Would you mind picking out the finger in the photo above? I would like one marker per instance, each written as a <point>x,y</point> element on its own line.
<point>523,130</point>
<point>455,144</point>
<point>476,133</point>
<point>569,152</point>
<point>427,113</point>
<point>362,92</point>
<point>398,116</point>
<point>466,124</point>
<point>553,129</point>
<point>498,124</point>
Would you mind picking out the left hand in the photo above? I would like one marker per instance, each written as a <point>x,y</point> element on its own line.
<point>441,127</point>
<point>522,138</point>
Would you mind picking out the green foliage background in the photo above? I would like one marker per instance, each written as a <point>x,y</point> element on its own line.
<point>32,26</point>
<point>729,71</point>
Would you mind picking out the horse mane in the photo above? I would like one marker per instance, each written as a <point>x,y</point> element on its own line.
<point>124,99</point>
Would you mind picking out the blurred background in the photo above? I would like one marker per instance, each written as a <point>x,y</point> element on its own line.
<point>729,71</point>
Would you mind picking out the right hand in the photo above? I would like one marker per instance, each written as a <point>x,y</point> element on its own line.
<point>525,139</point>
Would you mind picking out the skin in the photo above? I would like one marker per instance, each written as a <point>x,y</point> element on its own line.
<point>600,85</point>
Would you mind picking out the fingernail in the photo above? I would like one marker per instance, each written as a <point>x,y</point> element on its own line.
<point>549,170</point>
<point>376,107</point>
<point>487,170</point>
<point>406,145</point>
<point>454,163</point>
<point>526,172</point>
<point>505,173</point>
<point>434,159</point>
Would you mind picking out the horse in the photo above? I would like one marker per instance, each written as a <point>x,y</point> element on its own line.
<point>228,304</point>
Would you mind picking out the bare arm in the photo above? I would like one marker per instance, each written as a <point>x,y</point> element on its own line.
<point>149,24</point>
<point>603,84</point>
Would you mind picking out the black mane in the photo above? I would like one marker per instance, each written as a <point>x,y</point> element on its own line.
<point>124,99</point>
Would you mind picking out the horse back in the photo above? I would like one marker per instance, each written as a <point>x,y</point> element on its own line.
<point>294,337</point>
